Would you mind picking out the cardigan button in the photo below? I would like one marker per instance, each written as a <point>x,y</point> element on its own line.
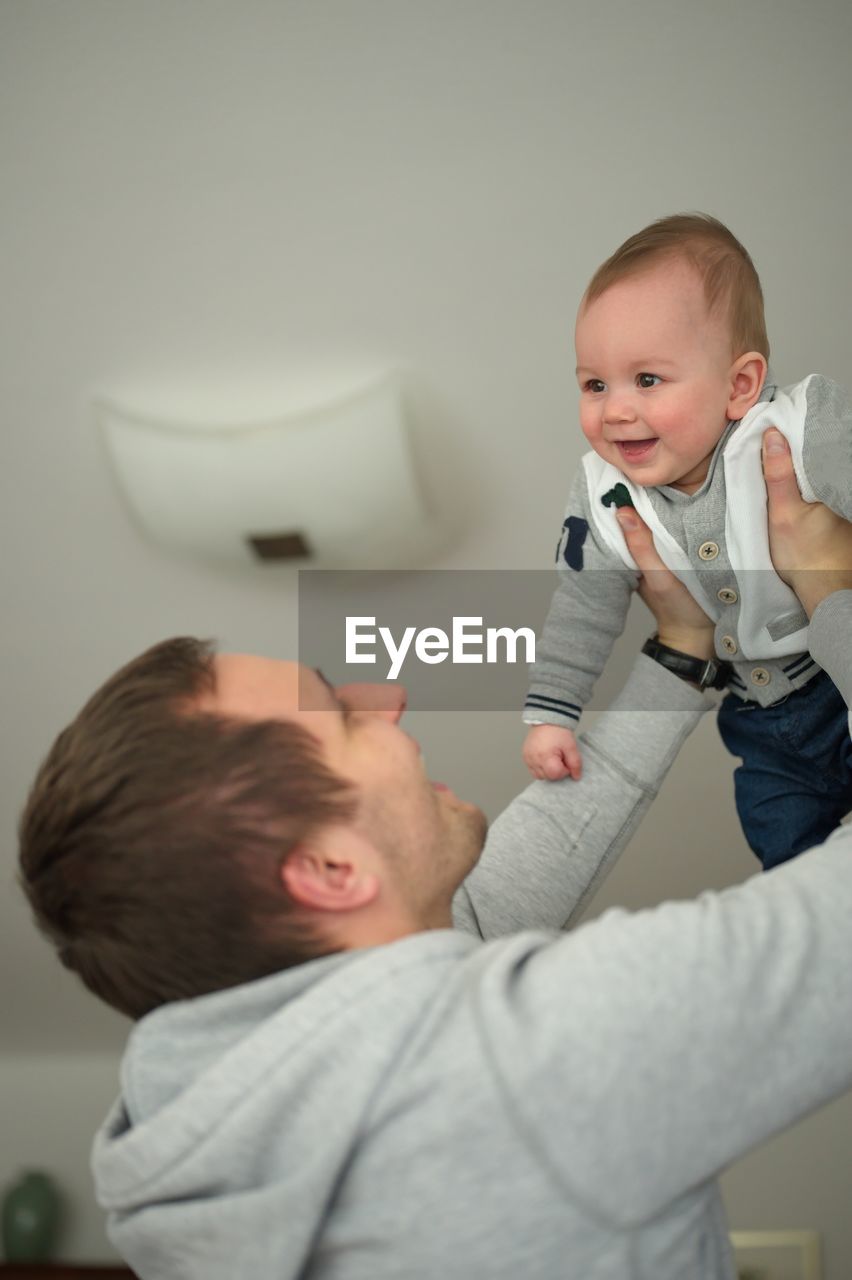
<point>760,676</point>
<point>727,595</point>
<point>729,644</point>
<point>708,550</point>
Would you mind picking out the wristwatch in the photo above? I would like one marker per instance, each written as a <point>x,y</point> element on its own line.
<point>707,673</point>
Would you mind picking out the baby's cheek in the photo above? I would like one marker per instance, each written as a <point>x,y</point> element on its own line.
<point>676,431</point>
<point>590,425</point>
<point>594,439</point>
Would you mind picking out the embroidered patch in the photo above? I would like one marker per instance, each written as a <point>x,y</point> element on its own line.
<point>618,496</point>
<point>572,552</point>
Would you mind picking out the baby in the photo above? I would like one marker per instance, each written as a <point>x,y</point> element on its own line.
<point>675,394</point>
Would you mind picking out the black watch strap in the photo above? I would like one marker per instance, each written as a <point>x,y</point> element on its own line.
<point>707,673</point>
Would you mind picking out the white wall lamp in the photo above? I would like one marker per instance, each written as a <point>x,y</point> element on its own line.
<point>333,486</point>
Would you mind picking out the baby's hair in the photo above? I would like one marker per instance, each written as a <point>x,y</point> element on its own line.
<point>729,275</point>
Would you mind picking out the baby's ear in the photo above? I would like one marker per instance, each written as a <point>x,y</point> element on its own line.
<point>748,374</point>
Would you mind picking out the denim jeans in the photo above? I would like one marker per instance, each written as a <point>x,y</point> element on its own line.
<point>795,782</point>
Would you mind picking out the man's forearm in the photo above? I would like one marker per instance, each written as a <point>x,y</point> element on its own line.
<point>551,848</point>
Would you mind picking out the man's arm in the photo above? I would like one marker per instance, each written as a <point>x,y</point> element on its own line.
<point>811,546</point>
<point>660,1046</point>
<point>550,850</point>
<point>828,638</point>
<point>695,1031</point>
<point>826,452</point>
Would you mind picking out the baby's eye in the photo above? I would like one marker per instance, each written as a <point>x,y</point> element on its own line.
<point>594,385</point>
<point>648,380</point>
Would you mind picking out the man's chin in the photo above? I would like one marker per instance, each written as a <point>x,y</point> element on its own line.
<point>466,815</point>
<point>479,828</point>
<point>470,814</point>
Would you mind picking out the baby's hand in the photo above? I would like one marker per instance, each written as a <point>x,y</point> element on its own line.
<point>551,752</point>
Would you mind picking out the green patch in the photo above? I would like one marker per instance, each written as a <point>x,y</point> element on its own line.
<point>619,496</point>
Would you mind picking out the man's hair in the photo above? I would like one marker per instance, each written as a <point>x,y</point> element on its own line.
<point>154,833</point>
<point>731,283</point>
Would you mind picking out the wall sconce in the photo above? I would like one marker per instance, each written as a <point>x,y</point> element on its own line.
<point>333,486</point>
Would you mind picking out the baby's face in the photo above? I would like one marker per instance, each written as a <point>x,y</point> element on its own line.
<point>654,369</point>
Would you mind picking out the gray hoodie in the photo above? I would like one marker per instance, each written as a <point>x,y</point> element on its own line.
<point>537,1105</point>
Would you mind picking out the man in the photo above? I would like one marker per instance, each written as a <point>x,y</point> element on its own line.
<point>354,1088</point>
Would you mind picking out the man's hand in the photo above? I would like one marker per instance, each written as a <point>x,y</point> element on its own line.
<point>681,623</point>
<point>811,547</point>
<point>551,752</point>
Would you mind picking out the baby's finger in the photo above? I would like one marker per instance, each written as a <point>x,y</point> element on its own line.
<point>555,767</point>
<point>533,763</point>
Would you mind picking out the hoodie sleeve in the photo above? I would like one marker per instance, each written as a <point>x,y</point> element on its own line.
<point>549,851</point>
<point>828,640</point>
<point>827,444</point>
<point>652,1049</point>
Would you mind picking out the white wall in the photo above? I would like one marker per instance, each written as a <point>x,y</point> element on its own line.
<point>51,1106</point>
<point>800,1180</point>
<point>236,197</point>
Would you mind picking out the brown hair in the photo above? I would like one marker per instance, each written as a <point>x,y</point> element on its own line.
<point>730,279</point>
<point>153,835</point>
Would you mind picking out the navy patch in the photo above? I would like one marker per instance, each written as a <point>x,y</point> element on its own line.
<point>572,552</point>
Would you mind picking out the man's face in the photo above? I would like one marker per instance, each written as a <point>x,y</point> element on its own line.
<point>427,839</point>
<point>653,370</point>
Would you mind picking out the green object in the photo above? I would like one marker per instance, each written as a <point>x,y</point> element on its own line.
<point>618,496</point>
<point>30,1219</point>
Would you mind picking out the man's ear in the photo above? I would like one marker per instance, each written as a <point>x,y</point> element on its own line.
<point>747,376</point>
<point>322,882</point>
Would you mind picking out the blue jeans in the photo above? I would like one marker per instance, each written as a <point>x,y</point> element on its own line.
<point>795,781</point>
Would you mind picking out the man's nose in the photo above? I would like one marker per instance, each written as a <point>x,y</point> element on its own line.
<point>385,700</point>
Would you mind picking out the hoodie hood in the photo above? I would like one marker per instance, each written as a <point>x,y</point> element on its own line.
<point>240,1110</point>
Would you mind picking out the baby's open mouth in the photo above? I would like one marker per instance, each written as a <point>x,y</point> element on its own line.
<point>636,450</point>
